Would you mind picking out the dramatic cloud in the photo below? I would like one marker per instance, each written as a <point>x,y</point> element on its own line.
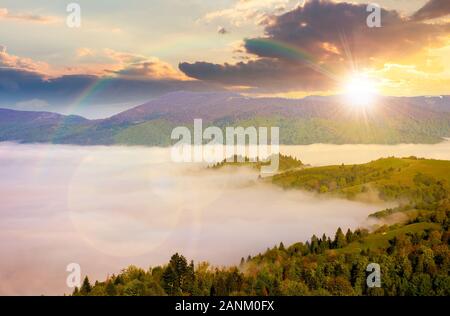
<point>11,61</point>
<point>154,69</point>
<point>27,17</point>
<point>129,65</point>
<point>433,9</point>
<point>126,80</point>
<point>269,74</point>
<point>142,67</point>
<point>313,46</point>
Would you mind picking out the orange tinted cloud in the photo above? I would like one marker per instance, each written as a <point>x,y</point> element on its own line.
<point>433,9</point>
<point>11,61</point>
<point>315,45</point>
<point>27,17</point>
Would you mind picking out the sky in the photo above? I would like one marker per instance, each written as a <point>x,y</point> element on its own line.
<point>127,52</point>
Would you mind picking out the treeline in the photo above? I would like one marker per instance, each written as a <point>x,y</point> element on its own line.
<point>286,162</point>
<point>414,262</point>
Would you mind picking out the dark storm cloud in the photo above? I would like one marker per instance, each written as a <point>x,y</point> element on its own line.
<point>309,47</point>
<point>322,28</point>
<point>266,73</point>
<point>433,9</point>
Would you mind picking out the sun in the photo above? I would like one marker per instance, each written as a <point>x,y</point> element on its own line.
<point>361,91</point>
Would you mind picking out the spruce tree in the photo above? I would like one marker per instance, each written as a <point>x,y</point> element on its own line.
<point>339,239</point>
<point>349,236</point>
<point>110,289</point>
<point>86,287</point>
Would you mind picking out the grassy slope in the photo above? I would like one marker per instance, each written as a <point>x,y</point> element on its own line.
<point>354,179</point>
<point>380,239</point>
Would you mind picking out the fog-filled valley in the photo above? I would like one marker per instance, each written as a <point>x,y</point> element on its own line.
<point>108,207</point>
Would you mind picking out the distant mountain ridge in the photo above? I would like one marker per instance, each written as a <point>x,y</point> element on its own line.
<point>301,121</point>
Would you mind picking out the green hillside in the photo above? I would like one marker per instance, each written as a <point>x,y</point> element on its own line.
<point>326,120</point>
<point>412,179</point>
<point>151,133</point>
<point>414,255</point>
<point>297,131</point>
<point>294,131</point>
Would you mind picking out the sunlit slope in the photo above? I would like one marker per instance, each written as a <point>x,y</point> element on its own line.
<point>392,178</point>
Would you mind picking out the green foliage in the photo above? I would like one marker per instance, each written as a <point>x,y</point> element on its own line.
<point>178,277</point>
<point>339,240</point>
<point>86,287</point>
<point>285,163</point>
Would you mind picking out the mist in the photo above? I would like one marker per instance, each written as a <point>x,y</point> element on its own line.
<point>106,208</point>
<point>327,154</point>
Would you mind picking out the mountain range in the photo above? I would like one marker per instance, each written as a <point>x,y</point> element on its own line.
<point>327,119</point>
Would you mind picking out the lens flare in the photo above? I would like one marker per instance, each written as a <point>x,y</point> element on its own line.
<point>361,91</point>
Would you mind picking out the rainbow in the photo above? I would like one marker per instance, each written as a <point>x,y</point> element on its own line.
<point>273,48</point>
<point>83,99</point>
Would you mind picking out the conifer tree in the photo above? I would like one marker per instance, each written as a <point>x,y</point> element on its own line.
<point>86,287</point>
<point>339,239</point>
<point>349,236</point>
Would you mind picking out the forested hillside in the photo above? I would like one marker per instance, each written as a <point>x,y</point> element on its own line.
<point>414,260</point>
<point>301,121</point>
<point>413,254</point>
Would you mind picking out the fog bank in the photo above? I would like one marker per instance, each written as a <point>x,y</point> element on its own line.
<point>108,207</point>
<point>326,154</point>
